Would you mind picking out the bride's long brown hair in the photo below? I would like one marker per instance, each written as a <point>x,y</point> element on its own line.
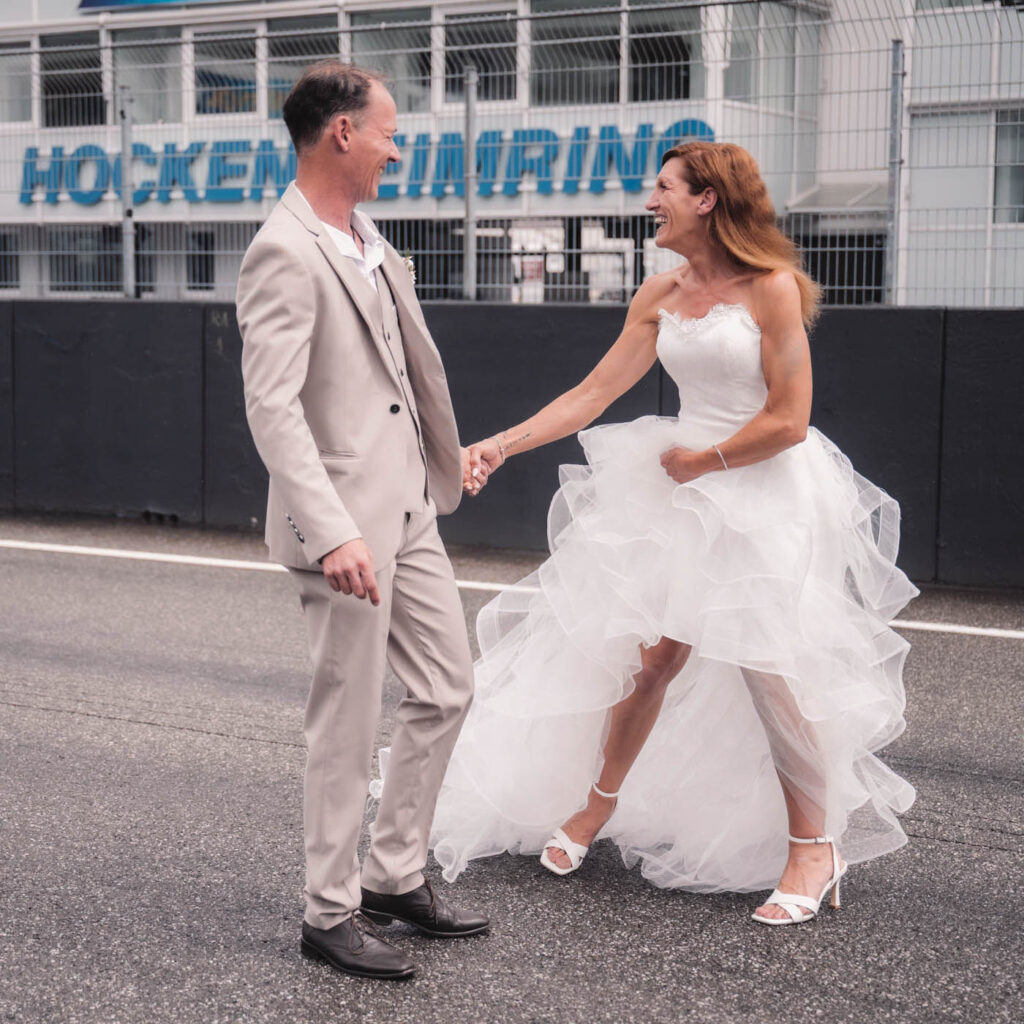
<point>743,220</point>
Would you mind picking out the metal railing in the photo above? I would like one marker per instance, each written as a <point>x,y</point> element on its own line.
<point>890,134</point>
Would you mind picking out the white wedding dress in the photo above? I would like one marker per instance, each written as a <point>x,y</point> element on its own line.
<point>780,575</point>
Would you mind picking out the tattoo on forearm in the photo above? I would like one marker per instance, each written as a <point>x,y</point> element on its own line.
<point>516,441</point>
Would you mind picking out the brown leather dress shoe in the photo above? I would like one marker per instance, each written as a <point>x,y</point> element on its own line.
<point>424,910</point>
<point>355,947</point>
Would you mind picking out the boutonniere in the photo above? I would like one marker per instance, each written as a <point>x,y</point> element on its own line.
<point>410,266</point>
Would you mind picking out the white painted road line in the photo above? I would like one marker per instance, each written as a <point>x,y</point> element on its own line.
<point>950,627</point>
<point>142,556</point>
<point>232,563</point>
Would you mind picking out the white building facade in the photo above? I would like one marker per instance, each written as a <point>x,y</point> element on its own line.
<point>899,168</point>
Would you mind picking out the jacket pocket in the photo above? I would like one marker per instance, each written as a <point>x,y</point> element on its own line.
<point>326,454</point>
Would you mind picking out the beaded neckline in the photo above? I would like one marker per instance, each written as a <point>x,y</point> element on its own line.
<point>719,311</point>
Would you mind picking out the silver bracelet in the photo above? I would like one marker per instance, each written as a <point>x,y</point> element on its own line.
<point>725,465</point>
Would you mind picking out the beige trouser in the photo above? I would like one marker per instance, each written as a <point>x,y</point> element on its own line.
<point>419,630</point>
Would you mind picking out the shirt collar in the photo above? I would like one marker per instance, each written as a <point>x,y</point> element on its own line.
<point>361,223</point>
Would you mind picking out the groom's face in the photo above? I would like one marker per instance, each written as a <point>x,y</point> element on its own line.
<point>372,144</point>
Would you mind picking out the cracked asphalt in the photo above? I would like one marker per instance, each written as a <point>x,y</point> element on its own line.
<point>150,847</point>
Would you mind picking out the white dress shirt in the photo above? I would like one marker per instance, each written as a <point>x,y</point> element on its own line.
<point>372,255</point>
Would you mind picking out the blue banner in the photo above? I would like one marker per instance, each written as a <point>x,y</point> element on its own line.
<point>95,5</point>
<point>236,170</point>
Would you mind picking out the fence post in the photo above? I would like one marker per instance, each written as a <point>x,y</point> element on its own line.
<point>469,234</point>
<point>124,108</point>
<point>895,164</point>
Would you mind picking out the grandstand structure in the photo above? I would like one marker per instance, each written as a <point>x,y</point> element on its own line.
<point>141,141</point>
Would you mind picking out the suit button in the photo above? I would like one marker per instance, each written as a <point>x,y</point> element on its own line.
<point>396,407</point>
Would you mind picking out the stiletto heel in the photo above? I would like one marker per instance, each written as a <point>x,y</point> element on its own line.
<point>574,851</point>
<point>793,903</point>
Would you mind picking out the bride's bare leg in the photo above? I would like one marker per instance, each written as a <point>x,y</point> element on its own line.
<point>799,764</point>
<point>631,722</point>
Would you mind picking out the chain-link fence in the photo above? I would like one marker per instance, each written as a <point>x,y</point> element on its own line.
<point>890,133</point>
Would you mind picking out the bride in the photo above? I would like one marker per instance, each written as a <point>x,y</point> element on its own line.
<point>703,666</point>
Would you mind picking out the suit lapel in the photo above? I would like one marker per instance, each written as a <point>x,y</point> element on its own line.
<point>400,281</point>
<point>362,293</point>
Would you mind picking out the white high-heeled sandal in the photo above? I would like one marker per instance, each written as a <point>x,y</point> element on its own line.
<point>574,851</point>
<point>793,903</point>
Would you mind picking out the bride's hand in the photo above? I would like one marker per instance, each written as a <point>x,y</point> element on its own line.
<point>488,453</point>
<point>683,464</point>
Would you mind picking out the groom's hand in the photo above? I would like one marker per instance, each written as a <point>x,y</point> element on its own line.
<point>474,472</point>
<point>350,570</point>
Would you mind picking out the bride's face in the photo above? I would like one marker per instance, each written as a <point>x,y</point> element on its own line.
<point>679,215</point>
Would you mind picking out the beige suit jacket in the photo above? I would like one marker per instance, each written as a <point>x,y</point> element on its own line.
<point>320,385</point>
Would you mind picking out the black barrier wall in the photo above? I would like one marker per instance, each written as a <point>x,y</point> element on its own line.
<point>878,396</point>
<point>235,491</point>
<point>498,382</point>
<point>981,500</point>
<point>108,408</point>
<point>125,408</point>
<point>6,405</point>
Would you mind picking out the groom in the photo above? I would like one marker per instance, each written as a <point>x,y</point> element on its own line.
<point>348,405</point>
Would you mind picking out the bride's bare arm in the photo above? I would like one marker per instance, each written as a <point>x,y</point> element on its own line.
<point>626,362</point>
<point>786,360</point>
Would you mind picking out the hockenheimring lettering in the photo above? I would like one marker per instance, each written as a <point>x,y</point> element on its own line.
<point>240,169</point>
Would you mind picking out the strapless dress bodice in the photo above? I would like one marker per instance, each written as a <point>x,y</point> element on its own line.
<point>715,362</point>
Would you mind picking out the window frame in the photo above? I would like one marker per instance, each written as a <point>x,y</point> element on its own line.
<point>192,230</point>
<point>1004,225</point>
<point>190,91</point>
<point>28,45</point>
<point>38,79</point>
<point>435,74</point>
<point>516,102</point>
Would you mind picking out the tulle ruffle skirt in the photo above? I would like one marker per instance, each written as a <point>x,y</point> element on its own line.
<point>781,576</point>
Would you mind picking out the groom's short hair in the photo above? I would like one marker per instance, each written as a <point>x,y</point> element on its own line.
<point>324,90</point>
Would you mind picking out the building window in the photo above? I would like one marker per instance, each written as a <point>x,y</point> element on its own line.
<point>10,276</point>
<point>741,70</point>
<point>849,267</point>
<point>225,71</point>
<point>761,46</point>
<point>396,43</point>
<point>72,83</point>
<point>15,82</point>
<point>292,45</point>
<point>938,5</point>
<point>664,54</point>
<point>489,44</point>
<point>574,59</point>
<point>148,62</point>
<point>84,258</point>
<point>1009,192</point>
<point>777,87</point>
<point>145,259</point>
<point>200,261</point>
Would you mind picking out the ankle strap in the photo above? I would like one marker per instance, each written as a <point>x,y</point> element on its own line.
<point>601,792</point>
<point>817,839</point>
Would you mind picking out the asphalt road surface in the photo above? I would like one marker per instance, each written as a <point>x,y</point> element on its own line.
<point>150,828</point>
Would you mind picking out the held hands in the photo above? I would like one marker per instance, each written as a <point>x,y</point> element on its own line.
<point>684,464</point>
<point>479,461</point>
<point>349,569</point>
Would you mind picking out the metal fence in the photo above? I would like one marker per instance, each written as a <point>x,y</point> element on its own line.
<point>890,134</point>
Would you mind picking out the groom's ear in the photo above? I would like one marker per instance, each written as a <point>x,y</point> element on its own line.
<point>341,129</point>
